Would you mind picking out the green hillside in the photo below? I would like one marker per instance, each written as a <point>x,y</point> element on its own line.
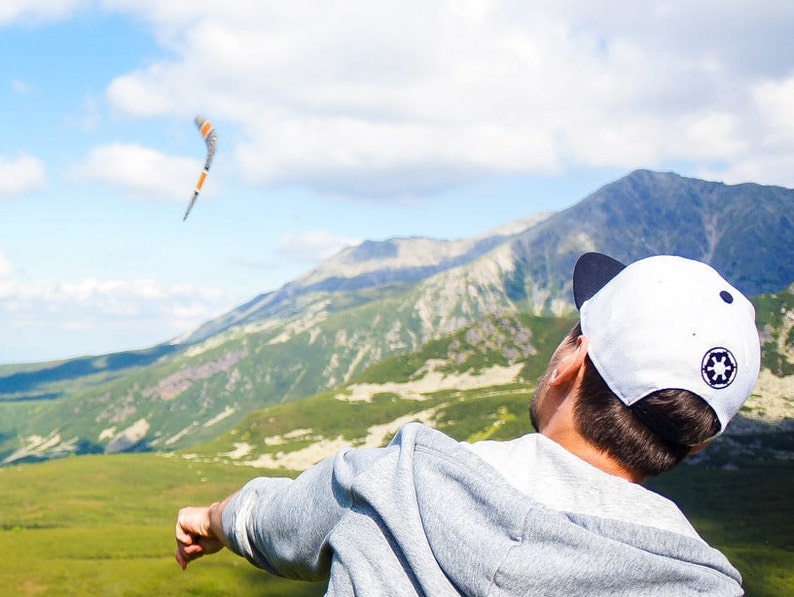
<point>386,298</point>
<point>747,513</point>
<point>473,385</point>
<point>342,358</point>
<point>104,525</point>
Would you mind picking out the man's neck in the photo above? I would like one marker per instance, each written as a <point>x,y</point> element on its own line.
<point>580,447</point>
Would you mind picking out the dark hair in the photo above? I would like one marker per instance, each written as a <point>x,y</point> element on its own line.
<point>611,426</point>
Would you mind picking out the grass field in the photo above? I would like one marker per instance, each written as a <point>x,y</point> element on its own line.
<point>103,525</point>
<point>747,513</point>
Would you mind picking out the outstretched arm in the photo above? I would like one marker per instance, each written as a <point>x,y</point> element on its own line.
<point>199,531</point>
<point>279,524</point>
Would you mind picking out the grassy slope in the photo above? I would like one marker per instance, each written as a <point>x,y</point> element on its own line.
<point>103,525</point>
<point>497,412</point>
<point>747,513</point>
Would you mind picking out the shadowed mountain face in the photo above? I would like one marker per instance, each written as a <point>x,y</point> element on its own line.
<point>745,231</point>
<point>393,297</point>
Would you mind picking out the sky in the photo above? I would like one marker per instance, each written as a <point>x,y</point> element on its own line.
<point>337,122</point>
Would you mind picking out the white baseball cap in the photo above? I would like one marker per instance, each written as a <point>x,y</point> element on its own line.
<point>666,322</point>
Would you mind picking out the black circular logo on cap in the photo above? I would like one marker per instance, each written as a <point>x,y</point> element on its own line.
<point>719,368</point>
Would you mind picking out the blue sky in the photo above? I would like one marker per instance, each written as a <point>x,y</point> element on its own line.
<point>338,122</point>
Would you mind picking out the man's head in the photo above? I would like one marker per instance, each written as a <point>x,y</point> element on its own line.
<point>672,354</point>
<point>667,322</point>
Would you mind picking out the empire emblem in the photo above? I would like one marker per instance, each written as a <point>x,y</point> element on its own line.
<point>719,368</point>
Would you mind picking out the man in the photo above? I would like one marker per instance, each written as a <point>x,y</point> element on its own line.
<point>665,354</point>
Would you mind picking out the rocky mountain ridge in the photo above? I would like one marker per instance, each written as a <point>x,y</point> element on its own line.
<point>382,299</point>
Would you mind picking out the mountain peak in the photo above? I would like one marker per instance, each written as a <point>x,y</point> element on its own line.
<point>407,258</point>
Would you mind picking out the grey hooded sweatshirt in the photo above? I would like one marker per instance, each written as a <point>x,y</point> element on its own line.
<point>427,515</point>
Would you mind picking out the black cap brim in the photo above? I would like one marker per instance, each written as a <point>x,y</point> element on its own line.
<point>591,273</point>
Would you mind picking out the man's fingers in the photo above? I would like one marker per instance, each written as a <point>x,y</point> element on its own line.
<point>184,559</point>
<point>182,536</point>
<point>191,524</point>
<point>180,559</point>
<point>187,553</point>
<point>194,537</point>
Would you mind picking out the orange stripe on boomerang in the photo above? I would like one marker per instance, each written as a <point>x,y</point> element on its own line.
<point>205,128</point>
<point>201,180</point>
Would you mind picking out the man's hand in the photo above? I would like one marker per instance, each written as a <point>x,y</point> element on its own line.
<point>197,533</point>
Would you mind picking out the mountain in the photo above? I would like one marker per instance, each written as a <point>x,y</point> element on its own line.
<point>475,385</point>
<point>382,299</point>
<point>745,231</point>
<point>370,264</point>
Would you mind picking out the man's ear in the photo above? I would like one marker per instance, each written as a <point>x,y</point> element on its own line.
<point>568,367</point>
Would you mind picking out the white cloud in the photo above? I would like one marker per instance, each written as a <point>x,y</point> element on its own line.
<point>140,171</point>
<point>12,11</point>
<point>20,176</point>
<point>313,246</point>
<point>110,315</point>
<point>107,297</point>
<point>377,98</point>
<point>775,99</point>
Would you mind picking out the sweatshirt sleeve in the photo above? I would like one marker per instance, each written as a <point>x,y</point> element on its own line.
<point>283,525</point>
